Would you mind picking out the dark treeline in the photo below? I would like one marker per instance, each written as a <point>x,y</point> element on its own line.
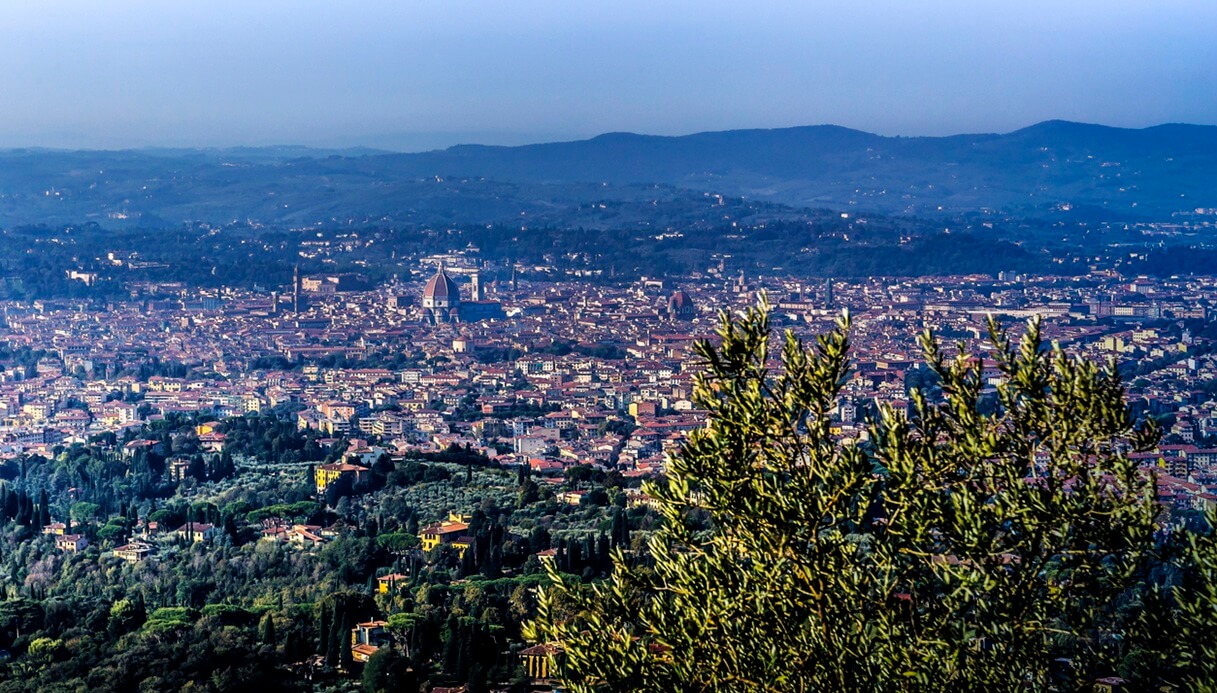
<point>809,243</point>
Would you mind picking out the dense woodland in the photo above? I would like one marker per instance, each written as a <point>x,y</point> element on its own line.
<point>237,611</point>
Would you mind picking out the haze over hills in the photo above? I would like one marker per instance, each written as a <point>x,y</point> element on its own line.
<point>1052,168</point>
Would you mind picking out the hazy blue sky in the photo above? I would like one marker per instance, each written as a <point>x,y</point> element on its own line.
<point>412,74</point>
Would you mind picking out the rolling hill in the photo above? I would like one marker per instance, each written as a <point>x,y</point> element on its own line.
<point>1050,169</point>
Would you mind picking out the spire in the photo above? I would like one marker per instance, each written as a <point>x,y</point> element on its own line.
<point>296,289</point>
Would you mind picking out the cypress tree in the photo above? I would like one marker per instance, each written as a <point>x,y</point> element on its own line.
<point>44,508</point>
<point>494,562</point>
<point>562,557</point>
<point>323,632</point>
<point>335,641</point>
<point>452,646</point>
<point>464,653</point>
<point>468,564</point>
<point>290,647</point>
<point>621,529</point>
<point>268,630</point>
<point>603,562</point>
<point>343,636</point>
<point>574,557</point>
<point>24,512</point>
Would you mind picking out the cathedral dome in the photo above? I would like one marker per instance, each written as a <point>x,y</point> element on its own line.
<point>441,291</point>
<point>681,304</point>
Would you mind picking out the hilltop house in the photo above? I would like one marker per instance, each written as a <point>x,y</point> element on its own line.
<point>134,552</point>
<point>196,531</point>
<point>367,638</point>
<point>450,532</point>
<point>71,543</point>
<point>328,474</point>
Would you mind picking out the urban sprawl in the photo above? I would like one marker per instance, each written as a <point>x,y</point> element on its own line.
<point>543,377</point>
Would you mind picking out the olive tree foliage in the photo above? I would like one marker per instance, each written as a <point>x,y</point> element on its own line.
<point>962,544</point>
<point>1194,622</point>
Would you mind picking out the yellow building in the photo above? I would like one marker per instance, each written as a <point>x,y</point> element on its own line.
<point>386,584</point>
<point>642,409</point>
<point>56,528</point>
<point>327,474</point>
<point>451,532</point>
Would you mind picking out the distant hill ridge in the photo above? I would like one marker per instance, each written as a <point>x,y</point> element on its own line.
<point>1051,168</point>
<point>803,164</point>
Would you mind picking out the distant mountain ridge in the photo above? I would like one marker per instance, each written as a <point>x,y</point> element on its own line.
<point>1048,169</point>
<point>1155,170</point>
